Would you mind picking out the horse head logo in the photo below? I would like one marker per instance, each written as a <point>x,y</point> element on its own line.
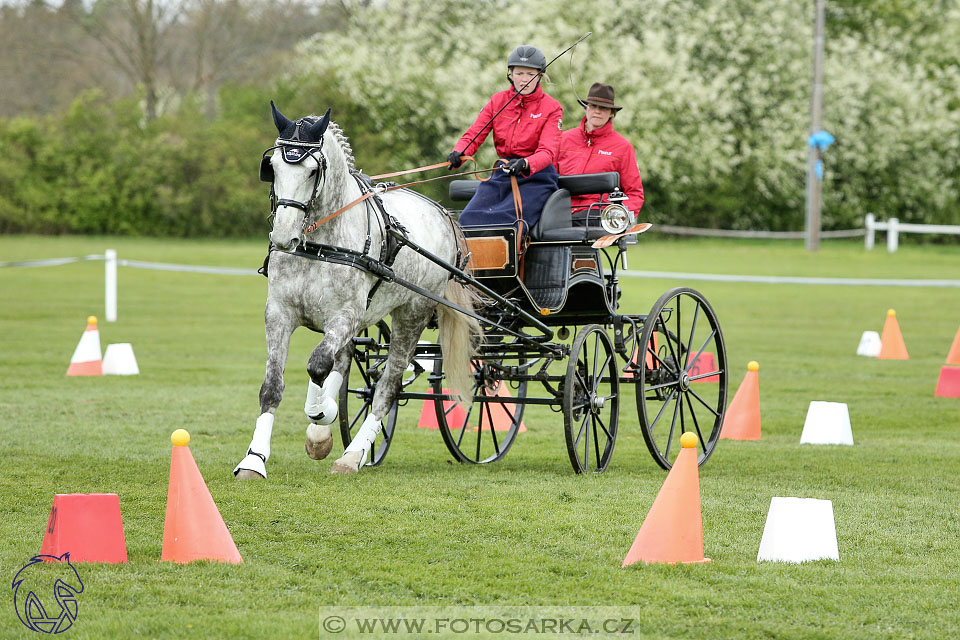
<point>32,582</point>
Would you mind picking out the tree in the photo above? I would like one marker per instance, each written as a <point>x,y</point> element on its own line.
<point>133,34</point>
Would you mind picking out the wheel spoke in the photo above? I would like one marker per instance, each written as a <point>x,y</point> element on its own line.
<point>696,424</point>
<point>583,424</point>
<point>596,441</point>
<point>466,422</point>
<point>705,375</point>
<point>703,402</point>
<point>596,359</point>
<point>479,432</point>
<point>673,423</point>
<point>666,403</point>
<point>603,426</point>
<point>586,441</point>
<point>703,346</point>
<point>693,329</point>
<point>493,428</point>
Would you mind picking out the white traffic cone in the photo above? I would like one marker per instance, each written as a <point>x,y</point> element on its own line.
<point>86,360</point>
<point>798,530</point>
<point>869,344</point>
<point>827,423</point>
<point>119,360</point>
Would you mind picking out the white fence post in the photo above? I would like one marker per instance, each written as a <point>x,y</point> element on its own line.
<point>869,230</point>
<point>110,295</point>
<point>893,235</point>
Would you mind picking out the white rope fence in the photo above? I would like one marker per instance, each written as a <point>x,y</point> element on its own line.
<point>763,235</point>
<point>848,282</point>
<point>111,262</point>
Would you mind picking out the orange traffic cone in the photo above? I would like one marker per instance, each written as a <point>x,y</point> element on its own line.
<point>456,415</point>
<point>86,359</point>
<point>705,363</point>
<point>948,384</point>
<point>193,528</point>
<point>892,346</point>
<point>647,358</point>
<point>673,529</point>
<point>428,413</point>
<point>88,526</point>
<point>742,419</point>
<point>954,356</point>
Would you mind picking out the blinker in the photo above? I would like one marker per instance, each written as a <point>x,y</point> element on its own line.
<point>266,170</point>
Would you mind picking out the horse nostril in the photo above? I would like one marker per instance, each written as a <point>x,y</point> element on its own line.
<point>283,245</point>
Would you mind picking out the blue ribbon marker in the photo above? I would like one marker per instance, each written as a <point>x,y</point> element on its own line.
<point>820,139</point>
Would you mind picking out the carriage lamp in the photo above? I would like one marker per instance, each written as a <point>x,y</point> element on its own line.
<point>615,218</point>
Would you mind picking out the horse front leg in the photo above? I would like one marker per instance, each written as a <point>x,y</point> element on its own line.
<point>327,366</point>
<point>279,326</point>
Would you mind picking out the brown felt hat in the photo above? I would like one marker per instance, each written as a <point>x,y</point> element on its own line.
<point>600,95</point>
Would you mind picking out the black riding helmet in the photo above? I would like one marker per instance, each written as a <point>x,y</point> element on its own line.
<point>527,55</point>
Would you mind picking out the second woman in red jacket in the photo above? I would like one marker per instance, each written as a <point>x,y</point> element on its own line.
<point>526,134</point>
<point>594,147</point>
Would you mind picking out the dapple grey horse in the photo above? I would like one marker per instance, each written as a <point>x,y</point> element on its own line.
<point>313,175</point>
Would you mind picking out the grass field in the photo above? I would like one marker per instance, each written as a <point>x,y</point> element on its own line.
<point>422,530</point>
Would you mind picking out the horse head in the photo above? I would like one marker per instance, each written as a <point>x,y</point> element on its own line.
<point>297,170</point>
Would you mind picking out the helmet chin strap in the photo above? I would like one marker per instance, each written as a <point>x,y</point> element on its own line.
<point>536,77</point>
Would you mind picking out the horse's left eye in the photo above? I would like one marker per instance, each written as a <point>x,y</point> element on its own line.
<point>313,172</point>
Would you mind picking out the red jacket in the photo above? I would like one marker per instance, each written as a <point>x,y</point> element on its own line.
<point>529,127</point>
<point>600,150</point>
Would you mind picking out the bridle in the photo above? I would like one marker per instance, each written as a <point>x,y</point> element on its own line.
<point>294,151</point>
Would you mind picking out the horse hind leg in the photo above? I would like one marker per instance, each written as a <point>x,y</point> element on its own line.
<point>403,344</point>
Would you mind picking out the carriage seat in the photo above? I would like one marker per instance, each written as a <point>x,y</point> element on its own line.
<point>556,222</point>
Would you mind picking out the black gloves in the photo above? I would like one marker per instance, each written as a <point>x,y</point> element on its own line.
<point>455,159</point>
<point>516,167</point>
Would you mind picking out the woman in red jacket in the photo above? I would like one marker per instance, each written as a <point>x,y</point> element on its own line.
<point>526,125</point>
<point>594,147</point>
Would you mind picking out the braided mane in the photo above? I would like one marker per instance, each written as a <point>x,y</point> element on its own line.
<point>341,138</point>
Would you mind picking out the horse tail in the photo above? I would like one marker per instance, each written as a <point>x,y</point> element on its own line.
<point>459,334</point>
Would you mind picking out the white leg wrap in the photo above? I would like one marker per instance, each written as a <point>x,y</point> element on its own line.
<point>261,435</point>
<point>366,436</point>
<point>321,404</point>
<point>259,444</point>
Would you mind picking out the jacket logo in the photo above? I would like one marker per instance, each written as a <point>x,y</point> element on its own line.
<point>536,115</point>
<point>604,153</point>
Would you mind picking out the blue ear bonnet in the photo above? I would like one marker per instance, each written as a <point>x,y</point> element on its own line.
<point>295,141</point>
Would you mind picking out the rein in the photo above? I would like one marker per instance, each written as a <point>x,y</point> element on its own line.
<point>383,188</point>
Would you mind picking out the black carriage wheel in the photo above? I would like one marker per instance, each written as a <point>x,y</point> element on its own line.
<point>683,381</point>
<point>356,393</point>
<point>591,400</point>
<point>484,431</point>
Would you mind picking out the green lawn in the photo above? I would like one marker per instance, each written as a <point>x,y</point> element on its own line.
<point>422,530</point>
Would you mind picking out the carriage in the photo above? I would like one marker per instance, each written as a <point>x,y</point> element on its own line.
<point>552,332</point>
<point>562,284</point>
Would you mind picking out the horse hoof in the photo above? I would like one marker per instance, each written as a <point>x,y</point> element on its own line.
<point>348,463</point>
<point>247,474</point>
<point>319,441</point>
